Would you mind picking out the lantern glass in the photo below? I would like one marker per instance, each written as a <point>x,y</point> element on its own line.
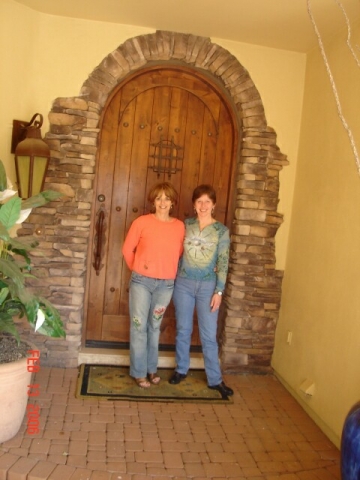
<point>39,169</point>
<point>31,174</point>
<point>23,170</point>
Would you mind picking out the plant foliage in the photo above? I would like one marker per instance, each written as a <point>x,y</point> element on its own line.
<point>16,300</point>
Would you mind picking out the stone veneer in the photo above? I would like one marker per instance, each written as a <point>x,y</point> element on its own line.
<point>253,293</point>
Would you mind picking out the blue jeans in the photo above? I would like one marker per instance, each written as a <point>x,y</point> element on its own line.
<point>189,294</point>
<point>148,299</point>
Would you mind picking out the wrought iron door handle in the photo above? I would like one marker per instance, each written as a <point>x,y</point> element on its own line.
<point>99,241</point>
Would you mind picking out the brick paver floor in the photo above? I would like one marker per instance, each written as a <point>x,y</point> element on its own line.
<point>264,434</point>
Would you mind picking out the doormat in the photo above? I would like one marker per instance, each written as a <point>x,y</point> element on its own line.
<point>112,382</point>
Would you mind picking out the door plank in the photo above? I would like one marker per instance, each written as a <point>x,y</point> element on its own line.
<point>117,276</point>
<point>224,179</point>
<point>208,149</point>
<point>159,130</point>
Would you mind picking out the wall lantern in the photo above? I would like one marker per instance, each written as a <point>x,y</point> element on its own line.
<point>31,156</point>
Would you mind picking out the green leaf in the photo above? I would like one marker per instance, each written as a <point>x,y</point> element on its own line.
<point>7,325</point>
<point>26,257</point>
<point>27,242</point>
<point>31,309</point>
<point>51,195</point>
<point>15,291</point>
<point>40,199</point>
<point>23,245</point>
<point>4,234</point>
<point>4,292</point>
<point>53,325</point>
<point>3,178</point>
<point>8,310</point>
<point>10,270</point>
<point>25,297</point>
<point>10,212</point>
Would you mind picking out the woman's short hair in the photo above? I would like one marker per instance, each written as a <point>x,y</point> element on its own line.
<point>204,190</point>
<point>165,187</point>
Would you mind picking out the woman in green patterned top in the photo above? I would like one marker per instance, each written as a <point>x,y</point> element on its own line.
<point>200,283</point>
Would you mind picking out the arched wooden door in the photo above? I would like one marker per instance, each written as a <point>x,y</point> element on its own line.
<point>161,124</point>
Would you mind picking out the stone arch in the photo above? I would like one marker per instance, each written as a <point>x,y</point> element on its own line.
<point>253,293</point>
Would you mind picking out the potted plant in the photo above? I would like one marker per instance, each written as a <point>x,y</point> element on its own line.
<point>19,359</point>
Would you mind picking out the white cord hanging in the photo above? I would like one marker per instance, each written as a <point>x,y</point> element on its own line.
<point>332,82</point>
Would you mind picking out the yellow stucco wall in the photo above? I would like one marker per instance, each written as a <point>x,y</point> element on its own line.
<point>321,299</point>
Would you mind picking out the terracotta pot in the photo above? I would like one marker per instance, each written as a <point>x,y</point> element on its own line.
<point>14,381</point>
<point>350,445</point>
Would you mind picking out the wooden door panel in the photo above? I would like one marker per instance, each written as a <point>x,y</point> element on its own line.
<point>114,288</point>
<point>159,130</point>
<point>208,149</point>
<point>171,111</point>
<point>116,328</point>
<point>107,158</point>
<point>123,172</point>
<point>139,157</point>
<point>224,173</point>
<point>177,124</point>
<point>192,155</point>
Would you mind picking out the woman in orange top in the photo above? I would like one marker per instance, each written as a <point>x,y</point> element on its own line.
<point>152,249</point>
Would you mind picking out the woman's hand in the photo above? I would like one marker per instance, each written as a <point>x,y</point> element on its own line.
<point>215,302</point>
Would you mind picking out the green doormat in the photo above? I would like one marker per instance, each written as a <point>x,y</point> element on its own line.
<point>114,383</point>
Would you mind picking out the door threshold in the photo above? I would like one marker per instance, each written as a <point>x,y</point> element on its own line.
<point>108,356</point>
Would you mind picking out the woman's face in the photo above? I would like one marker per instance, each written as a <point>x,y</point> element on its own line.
<point>162,204</point>
<point>204,206</point>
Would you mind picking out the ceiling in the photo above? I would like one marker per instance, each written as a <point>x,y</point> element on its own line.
<point>282,24</point>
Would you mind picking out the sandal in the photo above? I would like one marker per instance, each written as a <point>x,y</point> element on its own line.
<point>154,378</point>
<point>142,382</point>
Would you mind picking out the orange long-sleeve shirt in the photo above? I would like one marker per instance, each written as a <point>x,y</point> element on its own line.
<point>152,248</point>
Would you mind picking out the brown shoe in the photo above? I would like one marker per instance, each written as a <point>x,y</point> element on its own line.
<point>142,382</point>
<point>154,378</point>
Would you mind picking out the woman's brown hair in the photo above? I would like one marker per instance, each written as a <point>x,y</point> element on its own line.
<point>204,190</point>
<point>165,187</point>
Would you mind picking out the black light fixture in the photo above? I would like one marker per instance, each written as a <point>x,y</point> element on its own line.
<point>31,156</point>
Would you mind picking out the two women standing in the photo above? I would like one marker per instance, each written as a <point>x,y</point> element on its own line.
<point>152,251</point>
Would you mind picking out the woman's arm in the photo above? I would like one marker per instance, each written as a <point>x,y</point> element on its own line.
<point>221,269</point>
<point>130,244</point>
<point>222,263</point>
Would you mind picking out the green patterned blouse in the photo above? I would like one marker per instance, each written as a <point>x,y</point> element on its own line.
<point>206,253</point>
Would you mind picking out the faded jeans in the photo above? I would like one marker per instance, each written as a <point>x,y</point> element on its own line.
<point>148,299</point>
<point>189,294</point>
